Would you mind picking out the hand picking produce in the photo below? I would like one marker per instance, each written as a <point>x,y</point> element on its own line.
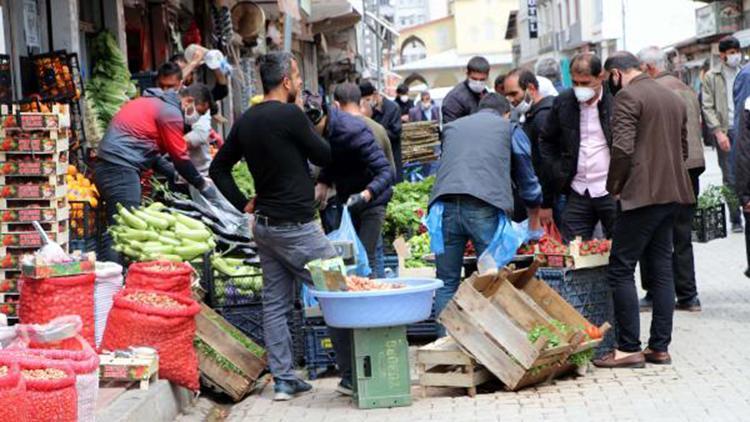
<point>150,233</point>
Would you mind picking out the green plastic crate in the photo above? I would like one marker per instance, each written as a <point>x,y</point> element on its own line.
<point>381,367</point>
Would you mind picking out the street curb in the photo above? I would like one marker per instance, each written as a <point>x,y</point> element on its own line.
<point>162,402</point>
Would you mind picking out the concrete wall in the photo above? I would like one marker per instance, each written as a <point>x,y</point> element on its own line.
<point>437,36</point>
<point>481,25</point>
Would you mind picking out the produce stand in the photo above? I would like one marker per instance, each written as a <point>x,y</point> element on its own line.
<point>33,161</point>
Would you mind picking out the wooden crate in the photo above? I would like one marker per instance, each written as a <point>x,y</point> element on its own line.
<point>442,363</point>
<point>491,315</point>
<point>214,331</point>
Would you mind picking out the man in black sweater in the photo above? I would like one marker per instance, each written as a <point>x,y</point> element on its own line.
<point>276,140</point>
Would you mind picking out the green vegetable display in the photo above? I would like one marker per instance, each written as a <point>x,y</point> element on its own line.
<point>403,216</point>
<point>717,195</point>
<point>419,246</point>
<point>147,233</point>
<point>554,340</point>
<point>244,179</point>
<point>233,277</point>
<point>109,85</point>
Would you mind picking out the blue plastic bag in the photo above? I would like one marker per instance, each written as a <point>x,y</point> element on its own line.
<point>502,249</point>
<point>346,232</point>
<point>434,223</point>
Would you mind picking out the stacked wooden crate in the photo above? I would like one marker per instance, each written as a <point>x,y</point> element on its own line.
<point>33,162</point>
<point>419,142</point>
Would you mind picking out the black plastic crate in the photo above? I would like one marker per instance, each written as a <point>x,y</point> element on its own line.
<point>319,353</point>
<point>227,290</point>
<point>588,291</point>
<point>710,223</point>
<point>85,226</point>
<point>249,320</point>
<point>423,330</point>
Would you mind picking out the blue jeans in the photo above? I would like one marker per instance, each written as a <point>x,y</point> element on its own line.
<point>117,185</point>
<point>464,218</point>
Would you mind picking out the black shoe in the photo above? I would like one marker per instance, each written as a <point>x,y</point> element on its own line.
<point>345,387</point>
<point>737,228</point>
<point>287,389</point>
<point>747,273</point>
<point>646,304</point>
<point>692,305</point>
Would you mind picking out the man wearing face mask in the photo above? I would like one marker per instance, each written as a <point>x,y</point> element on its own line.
<point>718,112</point>
<point>522,91</point>
<point>403,101</point>
<point>575,146</point>
<point>137,136</point>
<point>425,110</point>
<point>464,98</point>
<point>388,114</point>
<point>647,173</point>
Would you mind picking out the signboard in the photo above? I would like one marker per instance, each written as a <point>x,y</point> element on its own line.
<point>533,19</point>
<point>721,17</point>
<point>31,24</point>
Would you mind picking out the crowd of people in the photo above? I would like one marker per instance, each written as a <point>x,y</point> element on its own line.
<point>618,155</point>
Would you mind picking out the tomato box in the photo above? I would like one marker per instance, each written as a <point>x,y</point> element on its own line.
<point>27,215</point>
<point>31,168</point>
<point>31,239</point>
<point>9,309</point>
<point>116,366</point>
<point>32,191</point>
<point>579,254</point>
<point>84,264</point>
<point>9,286</point>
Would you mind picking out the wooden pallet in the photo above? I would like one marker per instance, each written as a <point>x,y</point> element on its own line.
<point>491,315</point>
<point>444,364</point>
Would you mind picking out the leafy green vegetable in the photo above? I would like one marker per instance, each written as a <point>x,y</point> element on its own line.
<point>581,358</point>
<point>553,340</point>
<point>109,85</point>
<point>717,195</point>
<point>406,208</point>
<point>244,179</point>
<point>419,246</point>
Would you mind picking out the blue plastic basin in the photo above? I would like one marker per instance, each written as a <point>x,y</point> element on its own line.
<point>380,308</point>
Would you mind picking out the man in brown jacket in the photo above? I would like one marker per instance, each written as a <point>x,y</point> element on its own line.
<point>653,62</point>
<point>647,173</point>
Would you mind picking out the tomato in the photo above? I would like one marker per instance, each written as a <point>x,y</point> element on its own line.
<point>593,332</point>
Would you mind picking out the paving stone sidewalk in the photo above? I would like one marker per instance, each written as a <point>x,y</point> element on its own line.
<point>708,381</point>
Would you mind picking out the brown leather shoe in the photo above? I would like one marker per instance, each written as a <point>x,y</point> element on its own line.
<point>635,360</point>
<point>657,358</point>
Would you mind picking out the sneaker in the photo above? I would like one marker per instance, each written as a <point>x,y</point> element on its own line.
<point>287,389</point>
<point>345,387</point>
<point>646,304</point>
<point>737,228</point>
<point>692,305</point>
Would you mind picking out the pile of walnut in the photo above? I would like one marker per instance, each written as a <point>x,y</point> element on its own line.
<point>155,300</point>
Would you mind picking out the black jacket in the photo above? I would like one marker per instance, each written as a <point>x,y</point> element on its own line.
<point>358,161</point>
<point>560,140</point>
<point>390,119</point>
<point>460,102</point>
<point>405,107</point>
<point>532,126</point>
<point>742,155</point>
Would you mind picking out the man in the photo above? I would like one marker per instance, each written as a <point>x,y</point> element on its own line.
<point>137,136</point>
<point>388,114</point>
<point>220,89</point>
<point>500,85</point>
<point>464,98</point>
<point>648,175</point>
<point>653,62</point>
<point>718,111</point>
<point>575,148</point>
<point>522,91</point>
<point>359,170</point>
<point>348,99</point>
<point>425,110</point>
<point>498,152</point>
<point>277,141</point>
<point>742,169</point>
<point>550,69</point>
<point>403,101</point>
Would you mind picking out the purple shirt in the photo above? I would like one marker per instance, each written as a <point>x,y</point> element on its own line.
<point>593,154</point>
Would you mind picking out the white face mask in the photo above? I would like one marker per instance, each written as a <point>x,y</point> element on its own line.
<point>524,106</point>
<point>477,86</point>
<point>734,60</point>
<point>404,98</point>
<point>584,93</point>
<point>191,116</point>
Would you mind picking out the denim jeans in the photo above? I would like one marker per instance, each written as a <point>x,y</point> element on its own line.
<point>369,224</point>
<point>284,251</point>
<point>117,185</point>
<point>464,218</point>
<point>644,233</point>
<point>582,213</point>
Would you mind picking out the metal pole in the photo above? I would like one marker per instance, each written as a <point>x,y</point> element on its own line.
<point>624,25</point>
<point>287,32</point>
